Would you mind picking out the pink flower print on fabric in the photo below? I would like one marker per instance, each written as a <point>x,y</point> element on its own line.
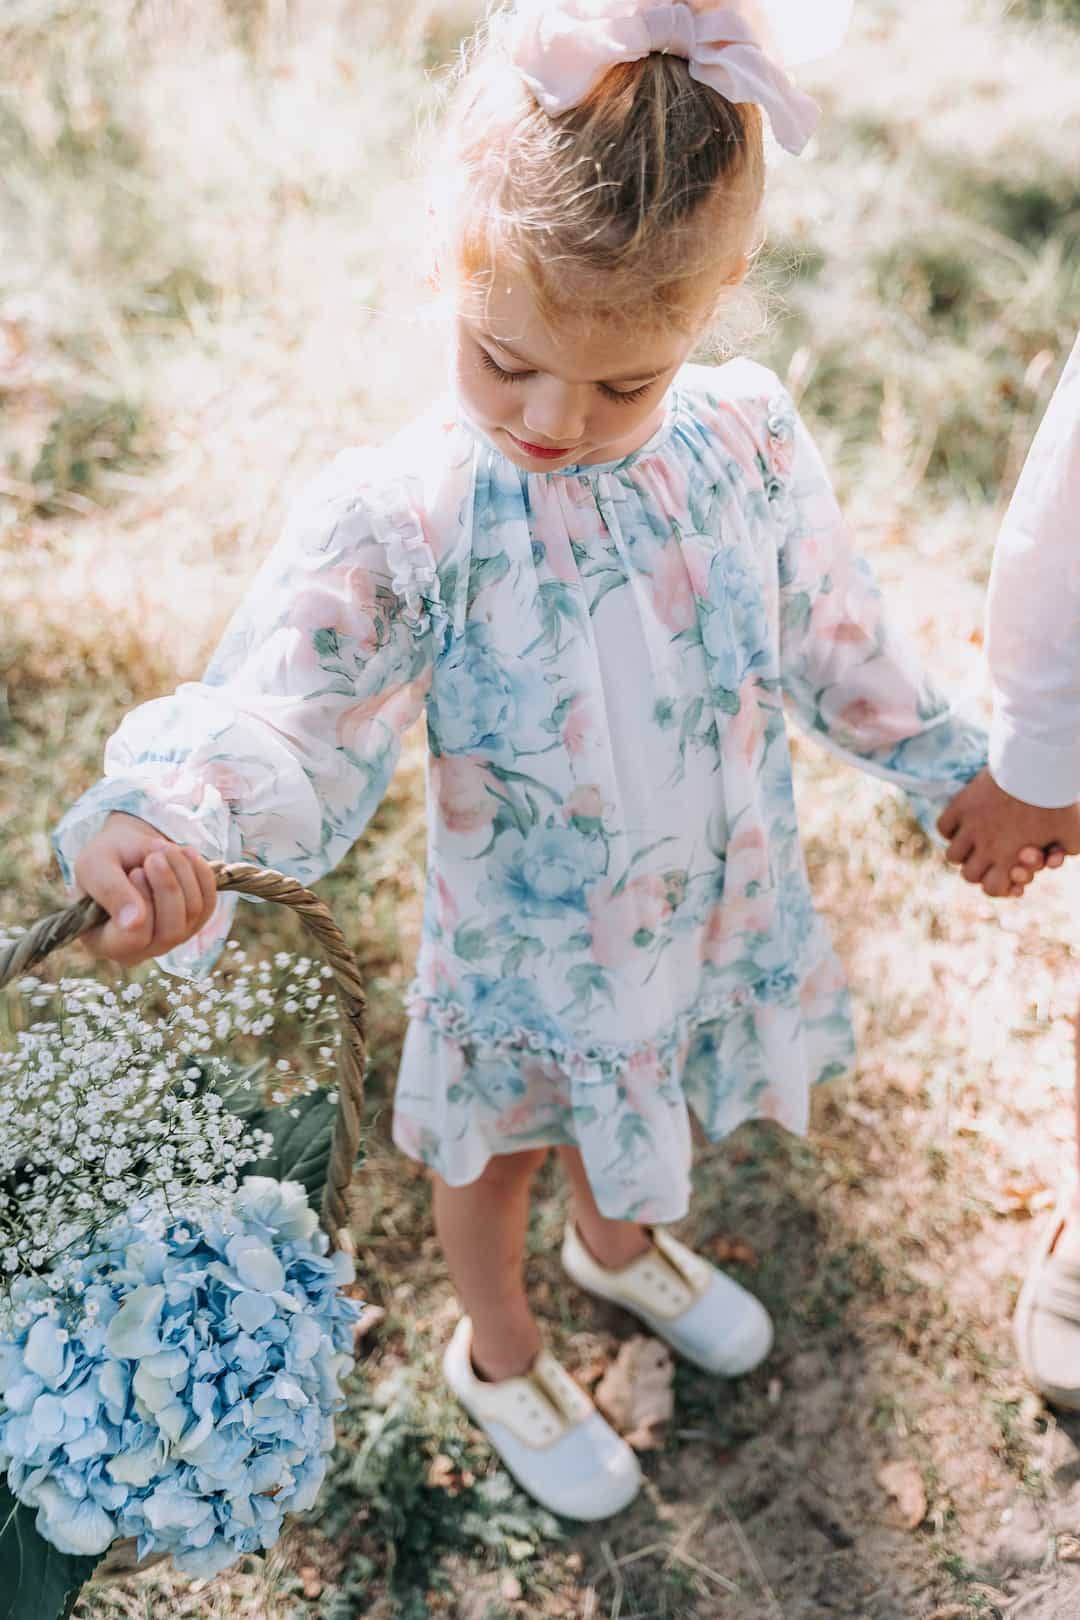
<point>624,925</point>
<point>235,786</point>
<point>381,715</point>
<point>447,910</point>
<point>579,725</point>
<point>672,591</point>
<point>745,733</point>
<point>669,484</point>
<point>698,550</point>
<point>831,618</point>
<point>341,600</point>
<point>566,515</point>
<point>584,804</point>
<point>461,788</point>
<point>730,921</point>
<point>875,725</point>
<point>547,1089</point>
<point>747,861</point>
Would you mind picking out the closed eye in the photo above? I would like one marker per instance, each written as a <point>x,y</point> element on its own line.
<point>627,396</point>
<point>500,371</point>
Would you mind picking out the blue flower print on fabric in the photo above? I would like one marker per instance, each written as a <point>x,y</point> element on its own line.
<point>545,872</point>
<point>479,701</point>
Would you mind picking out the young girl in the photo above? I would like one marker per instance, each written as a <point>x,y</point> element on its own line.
<point>600,571</point>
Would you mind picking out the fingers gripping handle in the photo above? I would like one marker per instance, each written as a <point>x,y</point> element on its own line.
<point>61,928</point>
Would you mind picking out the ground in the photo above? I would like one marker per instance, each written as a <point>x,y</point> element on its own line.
<point>209,267</point>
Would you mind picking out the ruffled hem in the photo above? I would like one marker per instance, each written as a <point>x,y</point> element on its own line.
<point>457,1106</point>
<point>452,1018</point>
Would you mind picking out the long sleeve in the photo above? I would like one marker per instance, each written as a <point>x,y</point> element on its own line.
<point>854,681</point>
<point>282,753</point>
<point>1033,614</point>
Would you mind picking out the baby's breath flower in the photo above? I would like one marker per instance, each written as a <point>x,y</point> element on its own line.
<point>107,1099</point>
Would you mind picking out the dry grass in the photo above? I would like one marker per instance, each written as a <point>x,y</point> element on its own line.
<point>211,267</point>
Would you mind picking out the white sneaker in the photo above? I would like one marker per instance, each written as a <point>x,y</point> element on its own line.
<point>680,1297</point>
<point>548,1433</point>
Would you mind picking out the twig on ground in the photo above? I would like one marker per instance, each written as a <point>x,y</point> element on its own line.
<point>775,1611</point>
<point>616,1576</point>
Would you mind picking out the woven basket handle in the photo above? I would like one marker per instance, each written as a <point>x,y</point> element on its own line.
<point>63,927</point>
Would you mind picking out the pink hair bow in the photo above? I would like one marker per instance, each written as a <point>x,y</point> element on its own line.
<point>563,48</point>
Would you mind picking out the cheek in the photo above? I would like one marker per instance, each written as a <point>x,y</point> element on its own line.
<point>612,420</point>
<point>487,400</point>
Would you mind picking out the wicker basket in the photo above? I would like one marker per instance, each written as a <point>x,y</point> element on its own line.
<point>63,927</point>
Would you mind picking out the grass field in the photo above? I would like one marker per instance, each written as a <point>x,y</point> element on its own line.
<point>212,275</point>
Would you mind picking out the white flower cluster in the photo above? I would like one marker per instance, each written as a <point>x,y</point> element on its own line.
<point>107,1101</point>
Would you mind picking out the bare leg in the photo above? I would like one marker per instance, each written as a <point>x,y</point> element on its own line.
<point>482,1231</point>
<point>613,1243</point>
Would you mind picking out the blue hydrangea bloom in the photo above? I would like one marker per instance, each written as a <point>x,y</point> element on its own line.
<point>186,1396</point>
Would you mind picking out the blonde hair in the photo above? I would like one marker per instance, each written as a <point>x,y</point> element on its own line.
<point>637,205</point>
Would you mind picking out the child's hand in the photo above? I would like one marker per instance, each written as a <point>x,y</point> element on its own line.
<point>1001,842</point>
<point>157,893</point>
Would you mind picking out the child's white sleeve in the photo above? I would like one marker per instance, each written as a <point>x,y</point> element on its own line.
<point>1033,614</point>
<point>856,683</point>
<point>281,754</point>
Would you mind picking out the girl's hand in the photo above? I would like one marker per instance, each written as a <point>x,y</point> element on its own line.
<point>1001,842</point>
<point>157,893</point>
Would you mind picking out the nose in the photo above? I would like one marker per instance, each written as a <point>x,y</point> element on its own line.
<point>555,412</point>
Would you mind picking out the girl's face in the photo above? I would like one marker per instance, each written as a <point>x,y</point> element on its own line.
<point>550,399</point>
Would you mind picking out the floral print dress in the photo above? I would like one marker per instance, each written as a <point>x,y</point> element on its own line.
<point>618,927</point>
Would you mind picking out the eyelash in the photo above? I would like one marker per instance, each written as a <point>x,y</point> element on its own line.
<point>505,376</point>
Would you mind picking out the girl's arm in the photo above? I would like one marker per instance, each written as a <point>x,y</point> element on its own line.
<point>855,682</point>
<point>281,754</point>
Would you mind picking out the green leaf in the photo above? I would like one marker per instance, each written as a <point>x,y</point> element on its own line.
<point>241,1089</point>
<point>36,1581</point>
<point>301,1150</point>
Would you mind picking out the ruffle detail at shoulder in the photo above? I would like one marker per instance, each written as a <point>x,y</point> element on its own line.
<point>361,498</point>
<point>397,523</point>
<point>747,407</point>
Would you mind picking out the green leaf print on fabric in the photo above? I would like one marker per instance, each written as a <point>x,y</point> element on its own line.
<point>589,979</point>
<point>558,608</point>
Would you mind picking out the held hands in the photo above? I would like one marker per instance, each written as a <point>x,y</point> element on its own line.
<point>157,893</point>
<point>1001,842</point>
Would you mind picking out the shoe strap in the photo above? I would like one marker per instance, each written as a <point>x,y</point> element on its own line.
<point>664,1282</point>
<point>556,1384</point>
<point>539,1408</point>
<point>695,1272</point>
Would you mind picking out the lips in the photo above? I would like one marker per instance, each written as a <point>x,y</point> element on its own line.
<point>542,452</point>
